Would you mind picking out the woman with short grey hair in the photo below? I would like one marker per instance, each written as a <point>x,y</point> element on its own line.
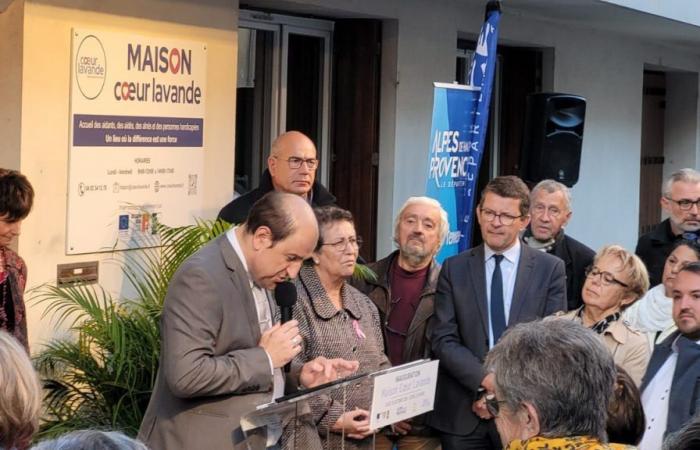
<point>549,386</point>
<point>92,440</point>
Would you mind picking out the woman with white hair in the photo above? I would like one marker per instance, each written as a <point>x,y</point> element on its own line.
<point>549,384</point>
<point>20,395</point>
<point>92,440</point>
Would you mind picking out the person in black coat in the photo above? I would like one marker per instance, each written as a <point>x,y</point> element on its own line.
<point>291,168</point>
<point>681,200</point>
<point>550,211</point>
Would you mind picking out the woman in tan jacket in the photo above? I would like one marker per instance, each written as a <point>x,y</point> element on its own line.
<point>616,279</point>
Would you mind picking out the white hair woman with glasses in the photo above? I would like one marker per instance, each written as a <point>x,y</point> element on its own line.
<point>550,382</point>
<point>338,321</point>
<point>616,279</point>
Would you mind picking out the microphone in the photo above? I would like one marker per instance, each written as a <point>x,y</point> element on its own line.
<point>286,297</point>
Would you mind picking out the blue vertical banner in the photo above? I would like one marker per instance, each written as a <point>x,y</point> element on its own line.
<point>451,178</point>
<point>457,137</point>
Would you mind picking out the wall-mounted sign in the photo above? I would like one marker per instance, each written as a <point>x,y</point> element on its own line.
<point>136,138</point>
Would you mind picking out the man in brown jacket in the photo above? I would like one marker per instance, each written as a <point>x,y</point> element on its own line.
<point>404,294</point>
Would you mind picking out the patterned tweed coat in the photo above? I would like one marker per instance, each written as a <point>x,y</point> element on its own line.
<point>352,333</point>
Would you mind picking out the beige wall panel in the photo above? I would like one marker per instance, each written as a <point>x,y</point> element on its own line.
<point>10,82</point>
<point>46,109</point>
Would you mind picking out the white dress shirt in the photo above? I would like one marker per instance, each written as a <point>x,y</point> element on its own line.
<point>655,402</point>
<point>509,271</point>
<point>262,307</point>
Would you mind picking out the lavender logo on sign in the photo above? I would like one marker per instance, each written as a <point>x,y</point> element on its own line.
<point>90,67</point>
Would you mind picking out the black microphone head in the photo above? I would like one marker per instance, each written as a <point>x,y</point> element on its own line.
<point>285,294</point>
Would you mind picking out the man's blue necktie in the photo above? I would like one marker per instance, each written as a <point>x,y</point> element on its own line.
<point>498,316</point>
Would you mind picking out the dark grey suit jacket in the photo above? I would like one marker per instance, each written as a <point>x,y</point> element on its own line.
<point>461,331</point>
<point>212,370</point>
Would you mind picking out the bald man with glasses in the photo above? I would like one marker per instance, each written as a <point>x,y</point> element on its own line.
<point>291,168</point>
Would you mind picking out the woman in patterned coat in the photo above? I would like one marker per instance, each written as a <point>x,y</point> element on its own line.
<point>16,198</point>
<point>338,321</point>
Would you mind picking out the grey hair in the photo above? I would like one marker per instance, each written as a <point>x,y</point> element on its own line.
<point>559,367</point>
<point>444,226</point>
<point>686,175</point>
<point>92,440</point>
<point>552,186</point>
<point>20,394</point>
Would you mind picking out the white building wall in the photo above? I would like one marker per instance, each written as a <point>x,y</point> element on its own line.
<point>680,122</point>
<point>420,39</point>
<point>606,68</point>
<point>679,10</point>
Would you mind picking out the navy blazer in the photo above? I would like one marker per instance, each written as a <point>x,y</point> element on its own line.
<point>460,338</point>
<point>684,400</point>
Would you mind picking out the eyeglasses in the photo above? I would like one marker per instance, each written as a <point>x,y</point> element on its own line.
<point>506,219</point>
<point>295,163</point>
<point>554,212</point>
<point>684,204</point>
<point>606,277</point>
<point>342,244</point>
<point>493,404</point>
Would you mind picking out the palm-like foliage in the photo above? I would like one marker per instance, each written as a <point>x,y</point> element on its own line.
<point>102,376</point>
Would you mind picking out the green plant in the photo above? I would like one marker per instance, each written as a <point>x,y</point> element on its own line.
<point>102,376</point>
<point>363,272</point>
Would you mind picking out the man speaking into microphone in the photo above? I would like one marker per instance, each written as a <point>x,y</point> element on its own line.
<point>221,354</point>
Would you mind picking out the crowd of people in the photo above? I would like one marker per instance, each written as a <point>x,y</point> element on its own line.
<point>541,341</point>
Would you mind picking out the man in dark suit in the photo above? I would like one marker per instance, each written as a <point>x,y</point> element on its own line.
<point>480,293</point>
<point>550,211</point>
<point>291,168</point>
<point>221,354</point>
<point>671,385</point>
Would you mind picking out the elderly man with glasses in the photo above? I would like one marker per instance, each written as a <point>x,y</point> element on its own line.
<point>681,200</point>
<point>550,211</point>
<point>480,293</point>
<point>291,168</point>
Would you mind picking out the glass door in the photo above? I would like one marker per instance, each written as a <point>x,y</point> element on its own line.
<point>283,84</point>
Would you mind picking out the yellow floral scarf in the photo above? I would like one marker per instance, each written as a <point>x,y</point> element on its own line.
<point>565,443</point>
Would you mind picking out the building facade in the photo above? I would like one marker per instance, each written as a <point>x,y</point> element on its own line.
<point>357,76</point>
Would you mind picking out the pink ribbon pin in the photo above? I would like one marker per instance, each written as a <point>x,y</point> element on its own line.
<point>358,330</point>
